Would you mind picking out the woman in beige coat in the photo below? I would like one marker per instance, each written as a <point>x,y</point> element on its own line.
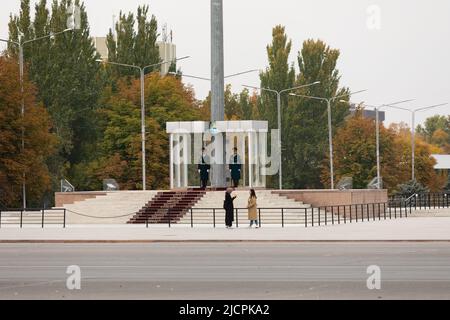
<point>252,209</point>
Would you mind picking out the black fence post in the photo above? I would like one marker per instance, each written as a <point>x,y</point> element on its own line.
<point>282,217</point>
<point>332,215</point>
<point>64,218</point>
<point>429,201</point>
<point>0,218</point>
<point>259,216</point>
<point>326,215</point>
<point>146,222</point>
<point>306,216</point>
<point>345,219</point>
<point>168,215</point>
<point>237,218</point>
<point>192,219</point>
<point>339,215</point>
<point>401,209</point>
<point>42,222</point>
<point>214,217</point>
<point>21,217</point>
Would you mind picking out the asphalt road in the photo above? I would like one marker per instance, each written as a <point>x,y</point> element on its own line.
<point>413,270</point>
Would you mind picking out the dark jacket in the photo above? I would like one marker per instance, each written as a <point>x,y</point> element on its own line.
<point>229,209</point>
<point>204,168</point>
<point>235,166</point>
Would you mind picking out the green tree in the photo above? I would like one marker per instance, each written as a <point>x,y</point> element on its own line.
<point>166,99</point>
<point>305,122</point>
<point>133,47</point>
<point>249,105</point>
<point>65,71</point>
<point>279,75</point>
<point>436,130</point>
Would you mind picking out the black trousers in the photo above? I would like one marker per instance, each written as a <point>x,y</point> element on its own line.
<point>203,183</point>
<point>229,218</point>
<point>235,183</point>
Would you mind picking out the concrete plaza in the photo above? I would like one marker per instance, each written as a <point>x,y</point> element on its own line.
<point>404,229</point>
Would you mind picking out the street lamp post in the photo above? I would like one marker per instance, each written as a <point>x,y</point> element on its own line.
<point>413,120</point>
<point>279,93</point>
<point>330,132</point>
<point>142,80</point>
<point>377,130</point>
<point>208,79</point>
<point>20,45</point>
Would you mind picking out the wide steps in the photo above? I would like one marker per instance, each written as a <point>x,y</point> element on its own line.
<point>167,206</point>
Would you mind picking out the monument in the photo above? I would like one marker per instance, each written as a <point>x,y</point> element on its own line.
<point>217,90</point>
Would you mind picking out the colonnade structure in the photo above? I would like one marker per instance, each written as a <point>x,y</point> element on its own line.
<point>188,138</point>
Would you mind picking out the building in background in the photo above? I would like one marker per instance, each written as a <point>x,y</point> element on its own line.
<point>167,50</point>
<point>442,161</point>
<point>101,47</point>
<point>367,113</point>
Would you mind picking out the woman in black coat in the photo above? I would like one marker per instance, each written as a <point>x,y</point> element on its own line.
<point>229,208</point>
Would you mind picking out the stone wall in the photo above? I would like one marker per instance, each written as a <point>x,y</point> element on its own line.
<point>319,198</point>
<point>63,198</point>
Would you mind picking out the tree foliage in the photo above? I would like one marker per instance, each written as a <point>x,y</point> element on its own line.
<point>39,143</point>
<point>306,120</point>
<point>66,75</point>
<point>134,45</point>
<point>166,99</point>
<point>436,130</point>
<point>354,147</point>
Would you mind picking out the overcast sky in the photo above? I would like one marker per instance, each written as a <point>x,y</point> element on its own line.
<point>404,56</point>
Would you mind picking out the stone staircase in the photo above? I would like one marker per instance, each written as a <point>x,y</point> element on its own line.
<point>271,205</point>
<point>167,205</point>
<point>116,207</point>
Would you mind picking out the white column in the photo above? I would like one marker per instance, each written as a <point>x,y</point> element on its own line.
<point>250,160</point>
<point>257,171</point>
<point>242,137</point>
<point>178,161</point>
<point>171,161</point>
<point>185,159</point>
<point>263,145</point>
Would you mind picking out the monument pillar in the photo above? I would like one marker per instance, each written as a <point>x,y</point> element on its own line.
<point>217,89</point>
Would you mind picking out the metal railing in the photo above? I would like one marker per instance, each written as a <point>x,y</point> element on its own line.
<point>429,200</point>
<point>307,217</point>
<point>33,216</point>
